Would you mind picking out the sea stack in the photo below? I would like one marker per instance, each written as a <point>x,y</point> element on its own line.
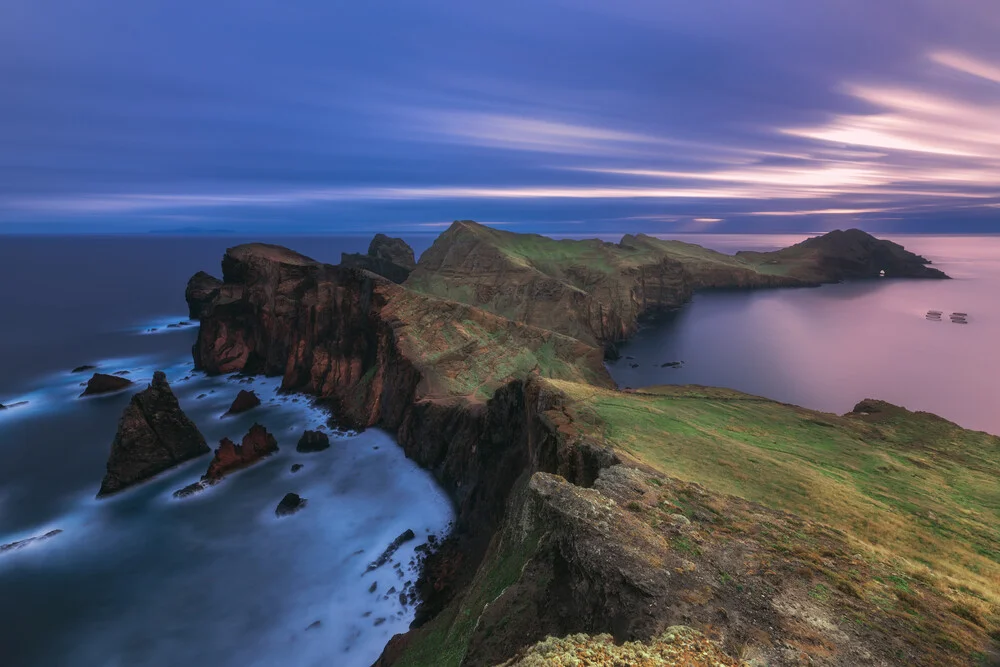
<point>229,456</point>
<point>245,400</point>
<point>153,435</point>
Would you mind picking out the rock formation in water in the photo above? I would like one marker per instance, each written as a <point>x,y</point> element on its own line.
<point>245,400</point>
<point>256,445</point>
<point>21,544</point>
<point>201,291</point>
<point>100,383</point>
<point>290,504</point>
<point>388,257</point>
<point>313,441</point>
<point>83,369</point>
<point>153,435</point>
<point>567,521</point>
<point>393,547</point>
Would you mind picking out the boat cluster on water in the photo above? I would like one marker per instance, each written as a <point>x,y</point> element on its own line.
<point>956,318</point>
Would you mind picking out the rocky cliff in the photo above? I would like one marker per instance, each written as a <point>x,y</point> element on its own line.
<point>153,435</point>
<point>567,520</point>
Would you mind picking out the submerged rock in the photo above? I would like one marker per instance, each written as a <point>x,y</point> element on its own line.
<point>296,467</point>
<point>20,544</point>
<point>313,441</point>
<point>245,400</point>
<point>290,504</point>
<point>229,456</point>
<point>105,384</point>
<point>406,536</point>
<point>190,490</point>
<point>153,435</point>
<point>83,369</point>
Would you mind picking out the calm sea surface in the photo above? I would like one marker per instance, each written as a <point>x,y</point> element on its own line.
<point>829,347</point>
<point>216,579</point>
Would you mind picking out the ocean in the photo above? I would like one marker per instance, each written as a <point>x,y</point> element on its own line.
<point>146,578</point>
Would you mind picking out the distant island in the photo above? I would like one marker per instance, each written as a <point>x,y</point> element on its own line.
<point>679,519</point>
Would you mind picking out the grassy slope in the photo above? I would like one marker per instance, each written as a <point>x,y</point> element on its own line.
<point>906,484</point>
<point>468,352</point>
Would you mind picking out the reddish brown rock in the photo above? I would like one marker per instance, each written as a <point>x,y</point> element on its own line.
<point>153,435</point>
<point>229,456</point>
<point>201,290</point>
<point>105,384</point>
<point>245,400</point>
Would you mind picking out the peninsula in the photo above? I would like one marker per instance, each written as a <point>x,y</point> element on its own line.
<point>675,518</point>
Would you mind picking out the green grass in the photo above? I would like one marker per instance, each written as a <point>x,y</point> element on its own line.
<point>906,484</point>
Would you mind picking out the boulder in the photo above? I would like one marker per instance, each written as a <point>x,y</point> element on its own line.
<point>100,383</point>
<point>245,400</point>
<point>201,291</point>
<point>313,441</point>
<point>229,456</point>
<point>290,504</point>
<point>296,467</point>
<point>153,435</point>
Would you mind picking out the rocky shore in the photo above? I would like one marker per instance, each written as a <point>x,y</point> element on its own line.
<point>486,363</point>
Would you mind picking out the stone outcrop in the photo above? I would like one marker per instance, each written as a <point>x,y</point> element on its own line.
<point>245,400</point>
<point>256,445</point>
<point>100,383</point>
<point>201,290</point>
<point>393,547</point>
<point>153,435</point>
<point>290,504</point>
<point>313,441</point>
<point>388,257</point>
<point>83,369</point>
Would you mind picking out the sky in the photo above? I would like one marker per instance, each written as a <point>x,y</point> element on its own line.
<point>543,115</point>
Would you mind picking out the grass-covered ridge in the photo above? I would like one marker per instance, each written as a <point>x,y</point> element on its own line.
<point>907,484</point>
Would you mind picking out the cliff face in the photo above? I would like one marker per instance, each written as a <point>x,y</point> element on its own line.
<point>565,523</point>
<point>201,290</point>
<point>153,435</point>
<point>380,354</point>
